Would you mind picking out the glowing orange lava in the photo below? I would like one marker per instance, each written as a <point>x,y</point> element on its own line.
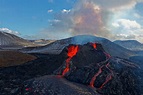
<point>27,89</point>
<point>72,51</point>
<point>94,45</point>
<point>109,77</point>
<point>94,77</point>
<point>107,55</point>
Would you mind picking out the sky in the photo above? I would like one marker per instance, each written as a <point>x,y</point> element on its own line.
<point>58,19</point>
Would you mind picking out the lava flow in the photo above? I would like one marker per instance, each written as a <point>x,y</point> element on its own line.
<point>72,51</point>
<point>94,45</point>
<point>94,77</point>
<point>109,77</point>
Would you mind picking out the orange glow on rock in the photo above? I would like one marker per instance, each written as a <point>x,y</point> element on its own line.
<point>108,78</point>
<point>65,70</point>
<point>94,45</point>
<point>107,55</point>
<point>72,51</point>
<point>94,77</point>
<point>27,89</point>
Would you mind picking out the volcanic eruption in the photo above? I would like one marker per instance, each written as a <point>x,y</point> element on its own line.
<point>87,67</point>
<point>90,64</point>
<point>72,50</point>
<point>75,50</point>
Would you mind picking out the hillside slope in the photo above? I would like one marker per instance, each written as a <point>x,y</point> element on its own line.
<point>11,40</point>
<point>57,46</point>
<point>130,44</point>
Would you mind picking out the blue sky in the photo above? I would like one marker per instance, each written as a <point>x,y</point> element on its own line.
<point>56,19</point>
<point>30,16</point>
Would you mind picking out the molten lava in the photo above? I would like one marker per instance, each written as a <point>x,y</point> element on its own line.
<point>72,51</point>
<point>94,77</point>
<point>28,89</point>
<point>107,55</point>
<point>109,76</point>
<point>94,45</point>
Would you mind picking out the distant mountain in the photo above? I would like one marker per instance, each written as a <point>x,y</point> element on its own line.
<point>8,40</point>
<point>42,42</point>
<point>57,46</point>
<point>130,44</point>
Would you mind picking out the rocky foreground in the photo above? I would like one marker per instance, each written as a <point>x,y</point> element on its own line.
<point>78,70</point>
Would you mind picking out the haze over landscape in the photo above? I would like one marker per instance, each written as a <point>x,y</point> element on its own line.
<point>71,47</point>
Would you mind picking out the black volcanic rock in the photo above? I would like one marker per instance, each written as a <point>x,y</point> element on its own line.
<point>87,55</point>
<point>110,75</point>
<point>91,72</point>
<point>12,78</point>
<point>55,85</point>
<point>58,46</point>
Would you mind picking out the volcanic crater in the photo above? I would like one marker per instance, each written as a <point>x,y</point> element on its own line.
<point>91,65</point>
<point>85,69</point>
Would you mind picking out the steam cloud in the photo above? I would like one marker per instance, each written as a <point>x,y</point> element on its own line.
<point>88,17</point>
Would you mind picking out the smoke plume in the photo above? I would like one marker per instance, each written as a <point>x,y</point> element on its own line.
<point>88,17</point>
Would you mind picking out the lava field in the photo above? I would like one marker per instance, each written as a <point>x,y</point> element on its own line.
<point>78,70</point>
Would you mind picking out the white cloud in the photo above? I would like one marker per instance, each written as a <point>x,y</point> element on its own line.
<point>137,36</point>
<point>65,11</point>
<point>49,11</point>
<point>127,29</point>
<point>125,36</point>
<point>98,17</point>
<point>9,31</point>
<point>54,21</point>
<point>137,15</point>
<point>115,25</point>
<point>127,24</point>
<point>115,4</point>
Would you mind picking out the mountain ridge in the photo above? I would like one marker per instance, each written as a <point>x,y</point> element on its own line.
<point>8,40</point>
<point>57,46</point>
<point>130,44</point>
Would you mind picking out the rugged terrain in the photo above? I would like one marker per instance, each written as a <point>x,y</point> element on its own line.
<point>79,69</point>
<point>12,41</point>
<point>80,65</point>
<point>57,46</point>
<point>130,44</point>
<point>11,58</point>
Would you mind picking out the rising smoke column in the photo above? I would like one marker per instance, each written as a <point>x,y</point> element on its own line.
<point>89,17</point>
<point>86,18</point>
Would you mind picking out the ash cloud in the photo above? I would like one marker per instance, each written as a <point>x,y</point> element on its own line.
<point>88,17</point>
